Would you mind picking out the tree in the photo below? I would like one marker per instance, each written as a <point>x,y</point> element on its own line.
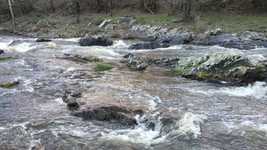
<point>52,7</point>
<point>10,5</point>
<point>187,8</point>
<point>150,6</point>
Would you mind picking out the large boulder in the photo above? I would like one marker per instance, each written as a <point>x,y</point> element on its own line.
<point>233,68</point>
<point>95,41</point>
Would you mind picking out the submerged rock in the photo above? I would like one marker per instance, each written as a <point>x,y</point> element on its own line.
<point>2,51</point>
<point>43,40</point>
<point>111,113</point>
<point>71,99</point>
<point>80,59</point>
<point>233,68</point>
<point>92,41</point>
<point>148,45</point>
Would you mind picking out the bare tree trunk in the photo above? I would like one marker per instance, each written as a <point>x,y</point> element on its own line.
<point>12,14</point>
<point>111,7</point>
<point>78,11</point>
<point>52,7</point>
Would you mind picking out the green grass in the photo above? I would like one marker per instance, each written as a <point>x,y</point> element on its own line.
<point>230,23</point>
<point>100,67</point>
<point>9,85</point>
<point>156,19</point>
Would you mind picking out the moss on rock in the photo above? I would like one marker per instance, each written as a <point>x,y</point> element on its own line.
<point>9,85</point>
<point>223,67</point>
<point>100,67</point>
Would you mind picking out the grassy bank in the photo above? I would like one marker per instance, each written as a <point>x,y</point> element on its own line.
<point>66,26</point>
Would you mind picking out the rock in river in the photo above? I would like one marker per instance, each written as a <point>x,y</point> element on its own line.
<point>148,45</point>
<point>43,40</point>
<point>2,52</point>
<point>234,68</point>
<point>95,41</point>
<point>111,113</point>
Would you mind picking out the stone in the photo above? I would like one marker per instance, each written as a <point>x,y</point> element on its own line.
<point>233,68</point>
<point>140,62</point>
<point>135,63</point>
<point>2,51</point>
<point>109,113</point>
<point>92,41</point>
<point>71,99</point>
<point>43,40</point>
<point>148,45</point>
<point>80,59</point>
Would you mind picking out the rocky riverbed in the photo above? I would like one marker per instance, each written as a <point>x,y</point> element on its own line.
<point>59,95</point>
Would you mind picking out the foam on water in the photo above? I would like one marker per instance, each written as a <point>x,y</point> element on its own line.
<point>22,47</point>
<point>246,124</point>
<point>190,124</point>
<point>120,44</point>
<point>140,134</point>
<point>257,90</point>
<point>27,84</point>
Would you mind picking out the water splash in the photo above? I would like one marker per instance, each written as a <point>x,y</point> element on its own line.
<point>140,134</point>
<point>257,90</point>
<point>189,125</point>
<point>120,44</point>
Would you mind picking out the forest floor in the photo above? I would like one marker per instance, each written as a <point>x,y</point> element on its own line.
<point>55,25</point>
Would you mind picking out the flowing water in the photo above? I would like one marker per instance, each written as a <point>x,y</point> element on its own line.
<point>206,116</point>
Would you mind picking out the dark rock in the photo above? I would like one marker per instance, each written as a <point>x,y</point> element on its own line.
<point>149,45</point>
<point>176,39</point>
<point>111,113</point>
<point>43,40</point>
<point>2,52</point>
<point>71,99</point>
<point>92,41</point>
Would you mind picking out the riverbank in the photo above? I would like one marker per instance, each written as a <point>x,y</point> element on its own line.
<point>54,25</point>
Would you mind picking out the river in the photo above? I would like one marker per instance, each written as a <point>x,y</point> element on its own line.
<point>206,116</point>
